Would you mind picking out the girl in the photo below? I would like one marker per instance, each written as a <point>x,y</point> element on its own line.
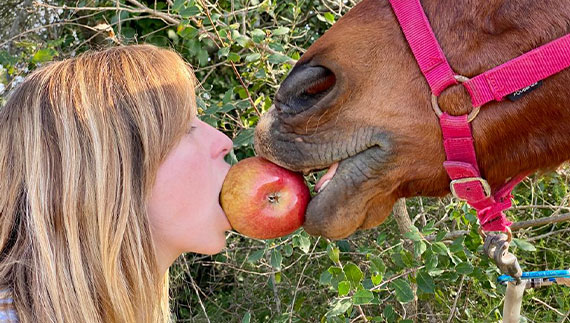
<point>107,176</point>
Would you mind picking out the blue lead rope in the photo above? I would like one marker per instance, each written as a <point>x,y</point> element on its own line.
<point>547,274</point>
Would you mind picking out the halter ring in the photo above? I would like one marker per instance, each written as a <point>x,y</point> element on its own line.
<point>435,105</point>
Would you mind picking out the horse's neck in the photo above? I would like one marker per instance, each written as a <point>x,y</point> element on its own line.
<point>510,137</point>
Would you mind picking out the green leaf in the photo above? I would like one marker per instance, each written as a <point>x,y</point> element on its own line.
<point>431,260</point>
<point>203,57</point>
<point>376,279</point>
<point>334,253</point>
<point>257,35</point>
<point>276,259</point>
<point>377,265</point>
<point>389,313</point>
<point>362,297</point>
<point>281,31</point>
<point>243,41</point>
<point>277,58</point>
<point>252,57</point>
<point>234,57</point>
<point>404,259</point>
<point>343,245</point>
<point>243,104</point>
<point>343,288</point>
<point>457,245</point>
<point>353,273</point>
<point>404,293</point>
<point>227,108</point>
<point>244,138</point>
<point>428,228</point>
<point>425,282</point>
<point>524,245</point>
<point>246,318</point>
<point>440,235</point>
<point>413,234</point>
<point>325,278</point>
<point>304,244</point>
<point>287,250</point>
<point>471,216</point>
<point>419,248</point>
<point>464,268</point>
<point>189,11</point>
<point>329,17</point>
<point>278,47</point>
<point>223,52</point>
<point>439,248</point>
<point>228,96</point>
<point>381,238</point>
<point>255,256</point>
<point>44,55</point>
<point>337,276</point>
<point>340,307</point>
<point>178,4</point>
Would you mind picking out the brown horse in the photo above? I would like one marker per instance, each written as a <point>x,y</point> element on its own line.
<point>357,97</point>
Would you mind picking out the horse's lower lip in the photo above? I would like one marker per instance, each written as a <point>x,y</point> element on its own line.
<point>330,213</point>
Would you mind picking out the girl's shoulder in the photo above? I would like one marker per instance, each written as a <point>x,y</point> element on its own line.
<point>7,310</point>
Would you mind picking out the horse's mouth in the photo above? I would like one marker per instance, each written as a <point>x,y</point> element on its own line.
<point>357,161</point>
<point>343,195</point>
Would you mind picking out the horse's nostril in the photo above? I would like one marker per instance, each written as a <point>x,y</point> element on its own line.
<point>322,84</point>
<point>304,87</point>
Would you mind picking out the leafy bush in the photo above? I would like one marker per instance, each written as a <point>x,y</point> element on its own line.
<point>242,50</point>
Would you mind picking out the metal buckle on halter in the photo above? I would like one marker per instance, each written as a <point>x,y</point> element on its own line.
<point>483,182</point>
<point>437,109</point>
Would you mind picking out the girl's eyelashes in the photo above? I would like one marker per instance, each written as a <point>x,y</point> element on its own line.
<point>191,129</point>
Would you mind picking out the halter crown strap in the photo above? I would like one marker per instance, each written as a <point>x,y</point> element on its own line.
<point>495,84</point>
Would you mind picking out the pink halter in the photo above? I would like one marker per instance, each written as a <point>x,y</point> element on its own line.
<point>518,74</point>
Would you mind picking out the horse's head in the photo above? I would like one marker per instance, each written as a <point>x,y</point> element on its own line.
<point>358,97</point>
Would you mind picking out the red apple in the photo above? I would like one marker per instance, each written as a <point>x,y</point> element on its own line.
<point>263,200</point>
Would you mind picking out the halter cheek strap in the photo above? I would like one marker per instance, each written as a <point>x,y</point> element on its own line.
<point>515,75</point>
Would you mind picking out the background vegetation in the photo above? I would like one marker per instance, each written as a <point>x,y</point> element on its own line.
<point>430,269</point>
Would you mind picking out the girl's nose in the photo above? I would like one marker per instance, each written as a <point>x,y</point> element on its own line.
<point>221,144</point>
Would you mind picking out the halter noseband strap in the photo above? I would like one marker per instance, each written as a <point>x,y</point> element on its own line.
<point>461,164</point>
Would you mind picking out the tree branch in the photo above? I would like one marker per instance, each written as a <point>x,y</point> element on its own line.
<point>450,319</point>
<point>16,24</point>
<point>404,225</point>
<point>540,221</point>
<point>515,227</point>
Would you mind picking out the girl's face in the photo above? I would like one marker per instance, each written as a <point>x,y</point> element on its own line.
<point>184,209</point>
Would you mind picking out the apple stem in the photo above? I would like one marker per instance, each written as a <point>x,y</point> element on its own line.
<point>273,197</point>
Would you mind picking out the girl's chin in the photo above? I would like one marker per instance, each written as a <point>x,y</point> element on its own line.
<point>215,245</point>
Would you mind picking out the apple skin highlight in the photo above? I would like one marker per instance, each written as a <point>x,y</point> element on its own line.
<point>263,200</point>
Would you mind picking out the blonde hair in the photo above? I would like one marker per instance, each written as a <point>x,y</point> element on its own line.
<point>80,144</point>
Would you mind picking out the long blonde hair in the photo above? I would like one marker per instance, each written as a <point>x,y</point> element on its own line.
<point>80,144</point>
